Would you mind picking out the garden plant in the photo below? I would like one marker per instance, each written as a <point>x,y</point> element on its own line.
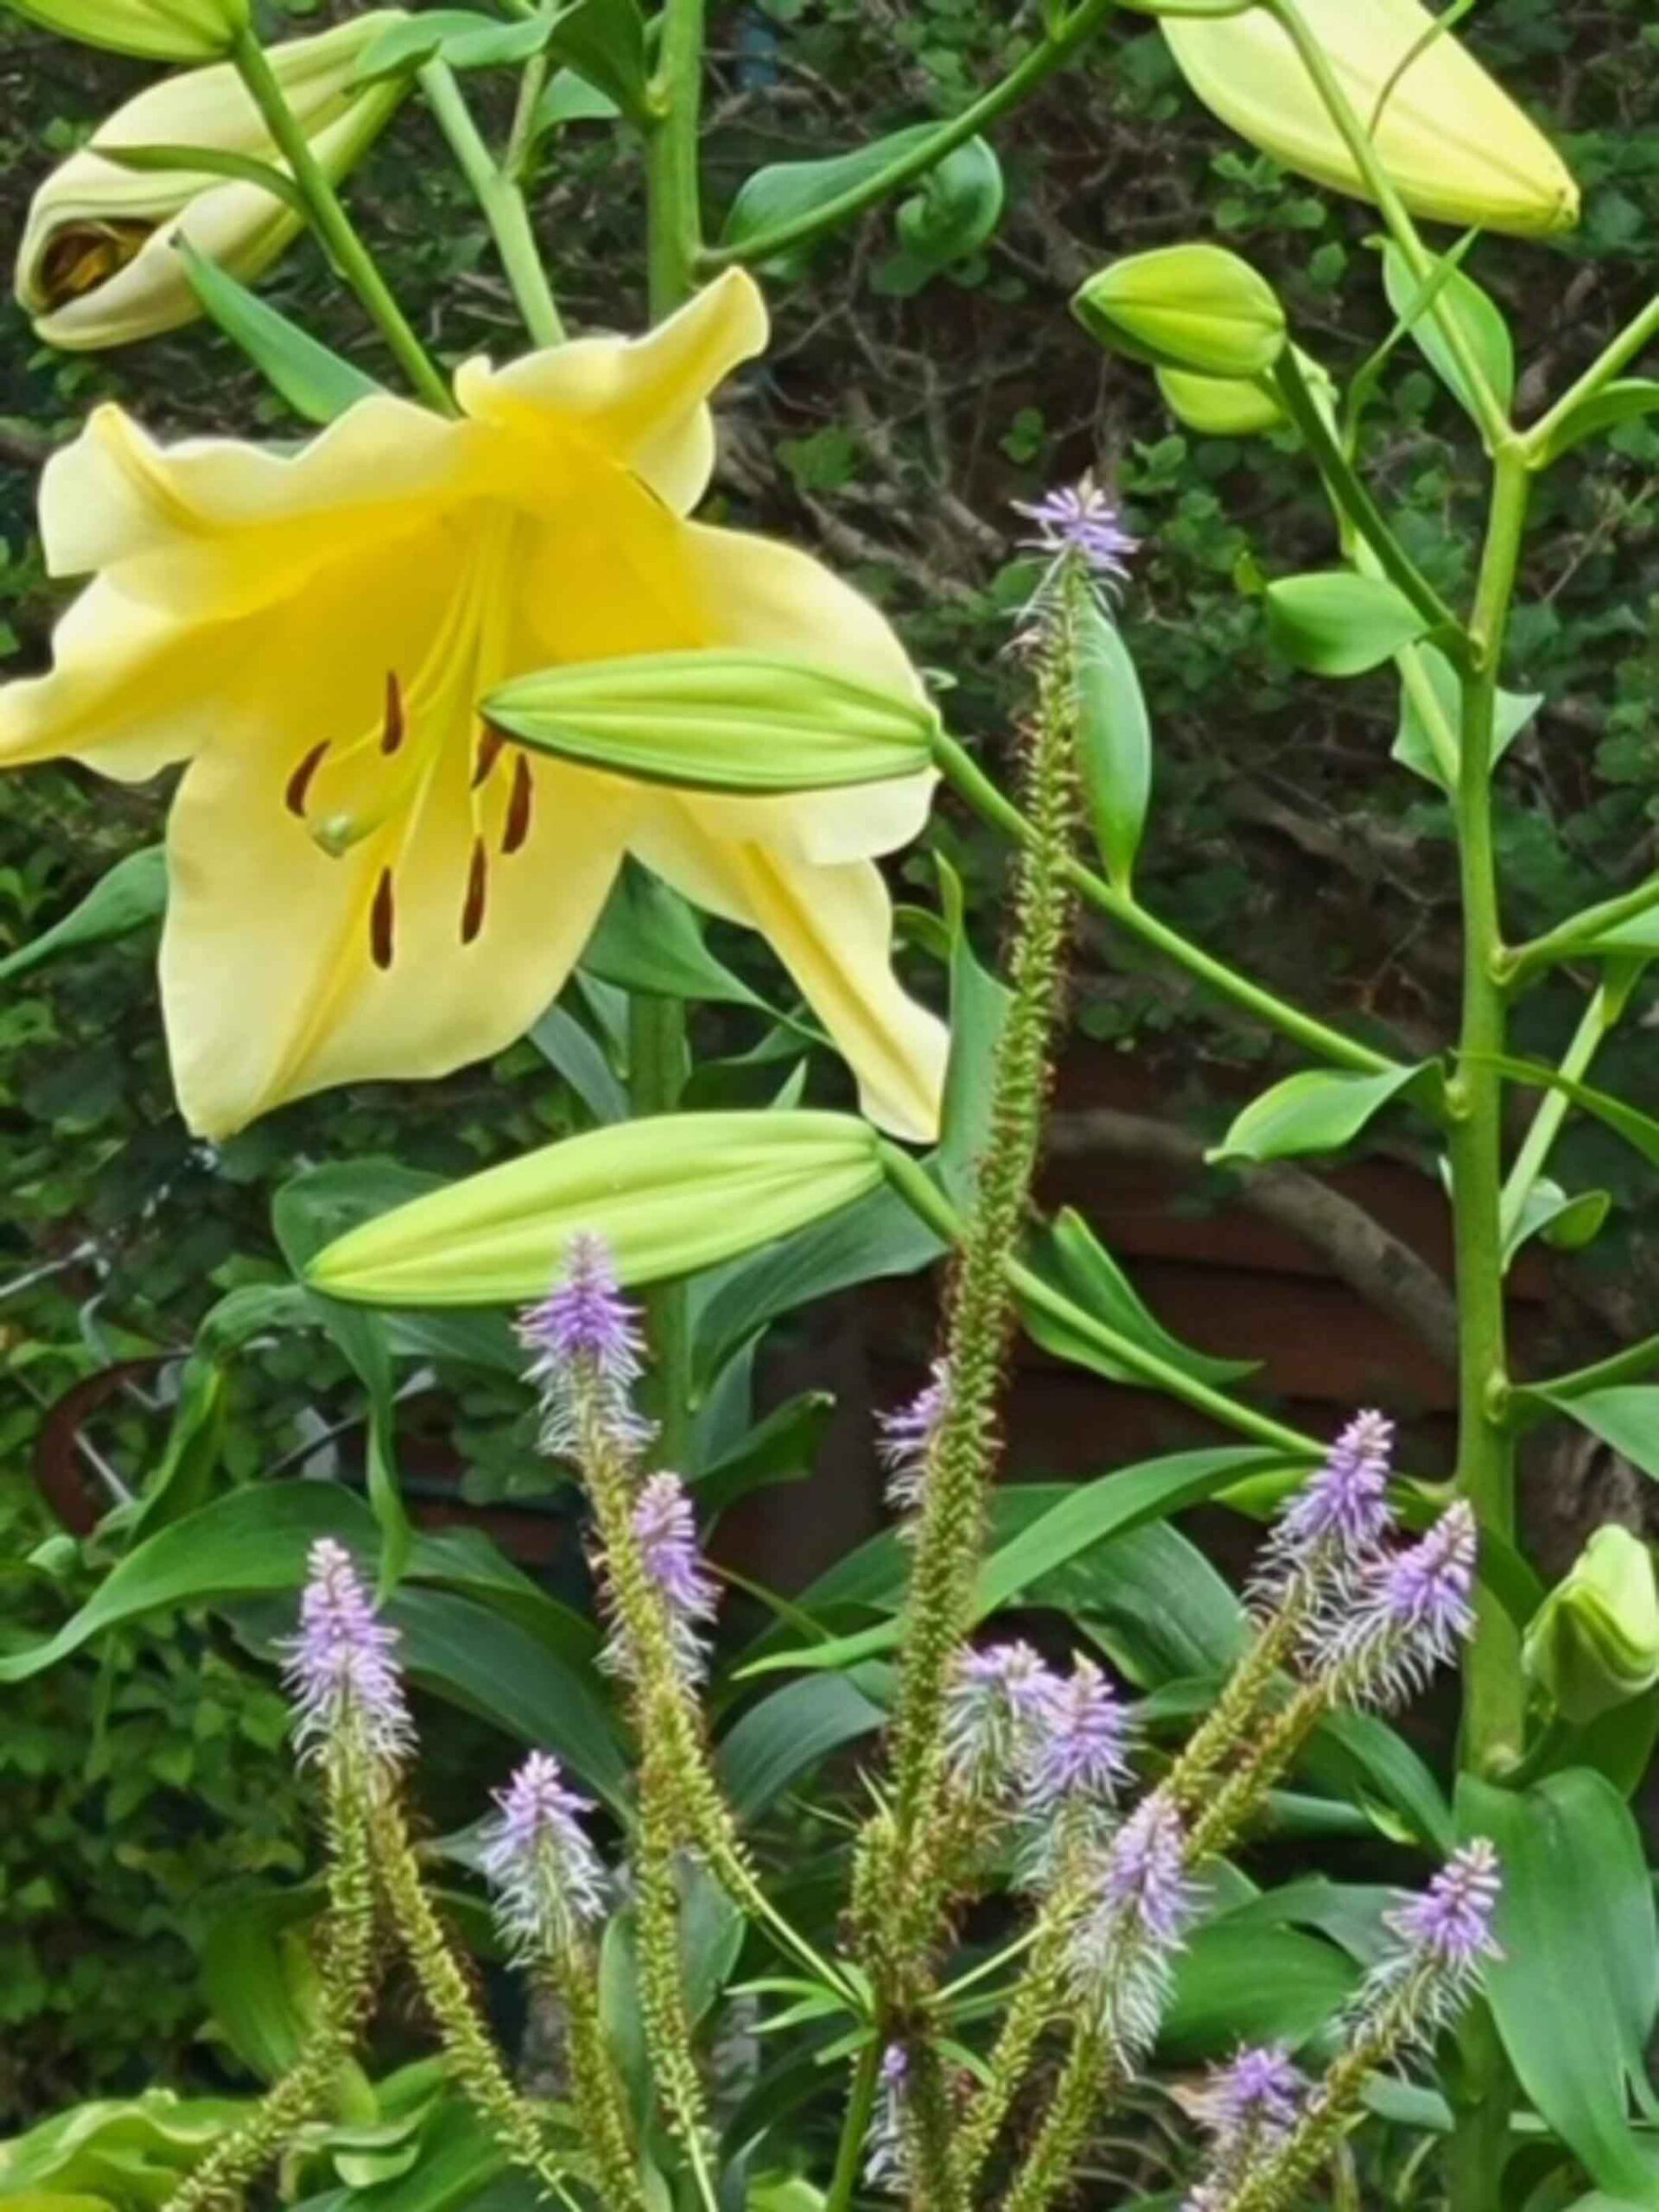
<point>897,1900</point>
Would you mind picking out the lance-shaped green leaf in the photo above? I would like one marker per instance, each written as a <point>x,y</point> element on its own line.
<point>315,382</point>
<point>785,191</point>
<point>125,898</point>
<point>669,1195</point>
<point>729,722</point>
<point>1340,624</point>
<point>1313,1112</point>
<point>1430,686</point>
<point>1114,743</point>
<point>1477,318</point>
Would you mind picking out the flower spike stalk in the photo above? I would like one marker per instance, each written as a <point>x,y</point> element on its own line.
<point>957,1444</point>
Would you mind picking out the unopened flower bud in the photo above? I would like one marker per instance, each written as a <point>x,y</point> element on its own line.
<point>99,265</point>
<point>154,31</point>
<point>1197,308</point>
<point>1594,1642</point>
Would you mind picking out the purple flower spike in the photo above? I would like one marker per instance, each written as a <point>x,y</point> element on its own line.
<point>1258,2095</point>
<point>547,1876</point>
<point>1408,1614</point>
<point>1082,521</point>
<point>345,1682</point>
<point>905,1440</point>
<point>1344,1507</point>
<point>1124,1949</point>
<point>585,1342</point>
<point>996,1702</point>
<point>1451,1924</point>
<point>667,1531</point>
<point>886,2165</point>
<point>1081,1745</point>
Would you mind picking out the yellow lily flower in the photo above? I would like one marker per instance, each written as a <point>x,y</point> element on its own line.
<point>96,265</point>
<point>1457,148</point>
<point>364,881</point>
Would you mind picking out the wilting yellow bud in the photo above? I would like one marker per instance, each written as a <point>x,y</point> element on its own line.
<point>156,30</point>
<point>96,265</point>
<point>726,721</point>
<point>667,1195</point>
<point>1197,307</point>
<point>1594,1642</point>
<point>1457,147</point>
<point>1233,407</point>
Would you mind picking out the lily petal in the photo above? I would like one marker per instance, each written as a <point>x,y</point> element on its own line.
<point>832,928</point>
<point>644,399</point>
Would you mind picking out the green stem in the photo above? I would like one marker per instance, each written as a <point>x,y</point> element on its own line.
<point>674,241</point>
<point>1598,1019</point>
<point>1355,500</point>
<point>1624,347</point>
<point>972,783</point>
<point>1057,48</point>
<point>502,202</point>
<point>1494,1693</point>
<point>929,1203</point>
<point>1575,935</point>
<point>855,2128</point>
<point>1494,423</point>
<point>333,225</point>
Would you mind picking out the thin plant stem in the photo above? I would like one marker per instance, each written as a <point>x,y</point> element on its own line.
<point>1574,936</point>
<point>855,2128</point>
<point>1641,328</point>
<point>970,782</point>
<point>332,225</point>
<point>1058,48</point>
<point>501,201</point>
<point>674,194</point>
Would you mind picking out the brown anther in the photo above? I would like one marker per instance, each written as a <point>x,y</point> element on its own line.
<point>391,730</point>
<point>380,921</point>
<point>300,782</point>
<point>517,823</point>
<point>81,256</point>
<point>478,879</point>
<point>490,742</point>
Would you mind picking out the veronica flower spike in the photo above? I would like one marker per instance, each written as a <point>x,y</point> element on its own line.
<point>348,1690</point>
<point>1124,1950</point>
<point>548,1881</point>
<point>1079,1749</point>
<point>1342,1510</point>
<point>994,1709</point>
<point>665,1529</point>
<point>1408,1614</point>
<point>905,1439</point>
<point>586,1347</point>
<point>1080,522</point>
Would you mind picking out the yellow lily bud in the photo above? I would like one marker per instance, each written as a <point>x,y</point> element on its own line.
<point>1232,407</point>
<point>1594,1642</point>
<point>96,265</point>
<point>1457,147</point>
<point>668,1196</point>
<point>1197,307</point>
<point>154,30</point>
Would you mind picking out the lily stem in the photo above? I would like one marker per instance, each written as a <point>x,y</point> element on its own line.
<point>499,195</point>
<point>1318,1038</point>
<point>332,225</point>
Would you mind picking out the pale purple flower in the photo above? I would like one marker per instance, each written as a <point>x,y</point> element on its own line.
<point>1259,2093</point>
<point>886,2165</point>
<point>1406,1615</point>
<point>348,1690</point>
<point>1445,1934</point>
<point>587,1344</point>
<point>1124,1949</point>
<point>1341,1513</point>
<point>905,1442</point>
<point>1081,521</point>
<point>994,1706</point>
<point>1079,1748</point>
<point>666,1529</point>
<point>547,1876</point>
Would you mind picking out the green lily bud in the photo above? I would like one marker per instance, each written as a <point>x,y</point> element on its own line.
<point>1233,407</point>
<point>1594,1642</point>
<point>748,722</point>
<point>96,265</point>
<point>1457,147</point>
<point>668,1195</point>
<point>1197,307</point>
<point>154,30</point>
